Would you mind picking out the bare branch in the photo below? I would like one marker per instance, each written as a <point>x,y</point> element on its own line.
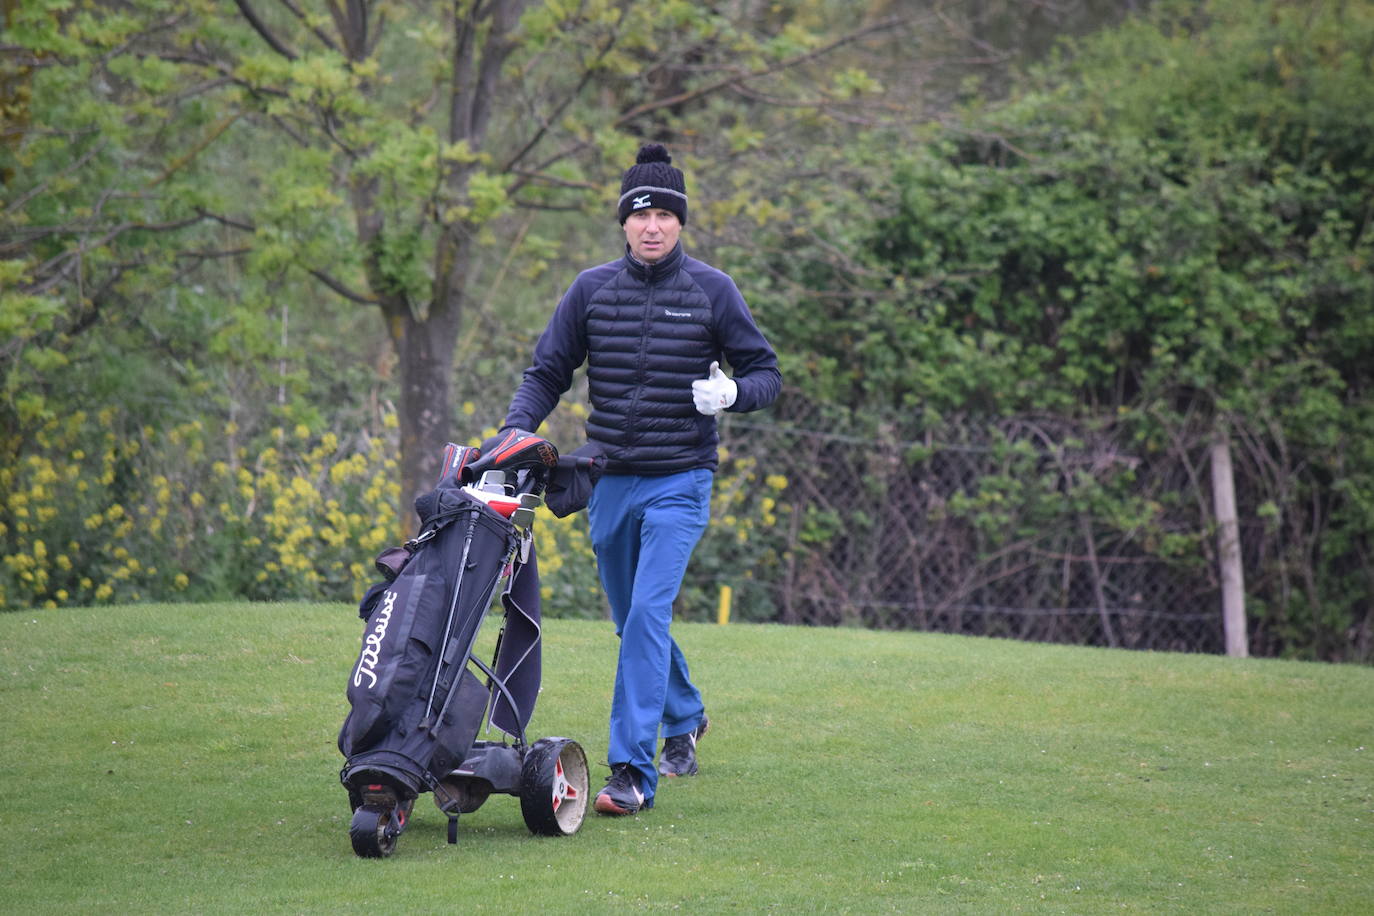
<point>318,32</point>
<point>527,176</point>
<point>737,77</point>
<point>58,267</point>
<point>23,199</point>
<point>187,157</point>
<point>338,287</point>
<point>227,221</point>
<point>213,255</point>
<point>352,27</point>
<point>562,106</point>
<point>275,43</point>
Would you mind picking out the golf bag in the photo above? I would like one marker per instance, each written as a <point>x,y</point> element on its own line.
<point>415,706</point>
<point>417,702</point>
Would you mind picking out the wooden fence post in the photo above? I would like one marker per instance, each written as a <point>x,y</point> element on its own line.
<point>1228,549</point>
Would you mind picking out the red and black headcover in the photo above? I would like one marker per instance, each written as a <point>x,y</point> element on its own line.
<point>514,450</point>
<point>457,459</point>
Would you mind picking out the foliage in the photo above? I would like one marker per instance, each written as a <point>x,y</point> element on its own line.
<point>109,513</point>
<point>1163,232</point>
<point>159,144</point>
<point>106,514</point>
<point>744,543</point>
<point>1168,230</point>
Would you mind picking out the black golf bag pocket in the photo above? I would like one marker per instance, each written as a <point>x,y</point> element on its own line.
<point>391,561</point>
<point>460,725</point>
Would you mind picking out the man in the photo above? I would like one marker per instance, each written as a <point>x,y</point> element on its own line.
<point>653,327</point>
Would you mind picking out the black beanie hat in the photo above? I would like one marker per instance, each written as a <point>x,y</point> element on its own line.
<point>653,182</point>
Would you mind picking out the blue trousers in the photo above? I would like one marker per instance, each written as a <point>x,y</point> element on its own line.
<point>643,531</point>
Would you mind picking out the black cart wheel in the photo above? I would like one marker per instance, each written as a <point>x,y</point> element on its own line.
<point>553,787</point>
<point>370,833</point>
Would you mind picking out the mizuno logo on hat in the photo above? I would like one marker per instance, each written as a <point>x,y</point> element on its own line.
<point>640,202</point>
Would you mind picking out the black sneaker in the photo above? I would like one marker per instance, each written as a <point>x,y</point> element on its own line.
<point>622,794</point>
<point>679,757</point>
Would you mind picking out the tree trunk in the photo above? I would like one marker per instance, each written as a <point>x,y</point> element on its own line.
<point>424,350</point>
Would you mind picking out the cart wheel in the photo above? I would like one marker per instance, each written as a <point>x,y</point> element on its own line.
<point>553,787</point>
<point>370,834</point>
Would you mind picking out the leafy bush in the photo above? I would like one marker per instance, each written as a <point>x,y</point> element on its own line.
<point>1166,230</point>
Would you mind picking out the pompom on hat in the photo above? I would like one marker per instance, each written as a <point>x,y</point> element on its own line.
<point>653,182</point>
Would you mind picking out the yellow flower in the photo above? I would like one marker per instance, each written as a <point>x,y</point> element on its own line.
<point>181,581</point>
<point>103,592</point>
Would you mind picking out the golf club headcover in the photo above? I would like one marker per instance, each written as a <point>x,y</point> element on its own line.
<point>513,450</point>
<point>457,458</point>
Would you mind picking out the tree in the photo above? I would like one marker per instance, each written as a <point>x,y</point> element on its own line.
<point>408,144</point>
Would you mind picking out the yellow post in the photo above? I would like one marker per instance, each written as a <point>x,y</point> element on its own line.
<point>723,611</point>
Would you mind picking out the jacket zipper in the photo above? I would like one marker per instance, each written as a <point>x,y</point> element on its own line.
<point>641,375</point>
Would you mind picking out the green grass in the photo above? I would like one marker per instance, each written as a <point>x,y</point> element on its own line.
<point>164,759</point>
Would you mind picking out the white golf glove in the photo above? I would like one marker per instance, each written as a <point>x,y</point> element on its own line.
<point>715,392</point>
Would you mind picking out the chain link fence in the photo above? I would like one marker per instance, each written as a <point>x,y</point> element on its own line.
<point>1033,529</point>
<point>1070,530</point>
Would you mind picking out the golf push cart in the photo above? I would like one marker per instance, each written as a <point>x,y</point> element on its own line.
<point>419,697</point>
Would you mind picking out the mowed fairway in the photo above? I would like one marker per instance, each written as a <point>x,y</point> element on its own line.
<point>169,759</point>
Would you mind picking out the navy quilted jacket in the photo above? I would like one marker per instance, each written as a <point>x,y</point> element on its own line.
<point>646,332</point>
